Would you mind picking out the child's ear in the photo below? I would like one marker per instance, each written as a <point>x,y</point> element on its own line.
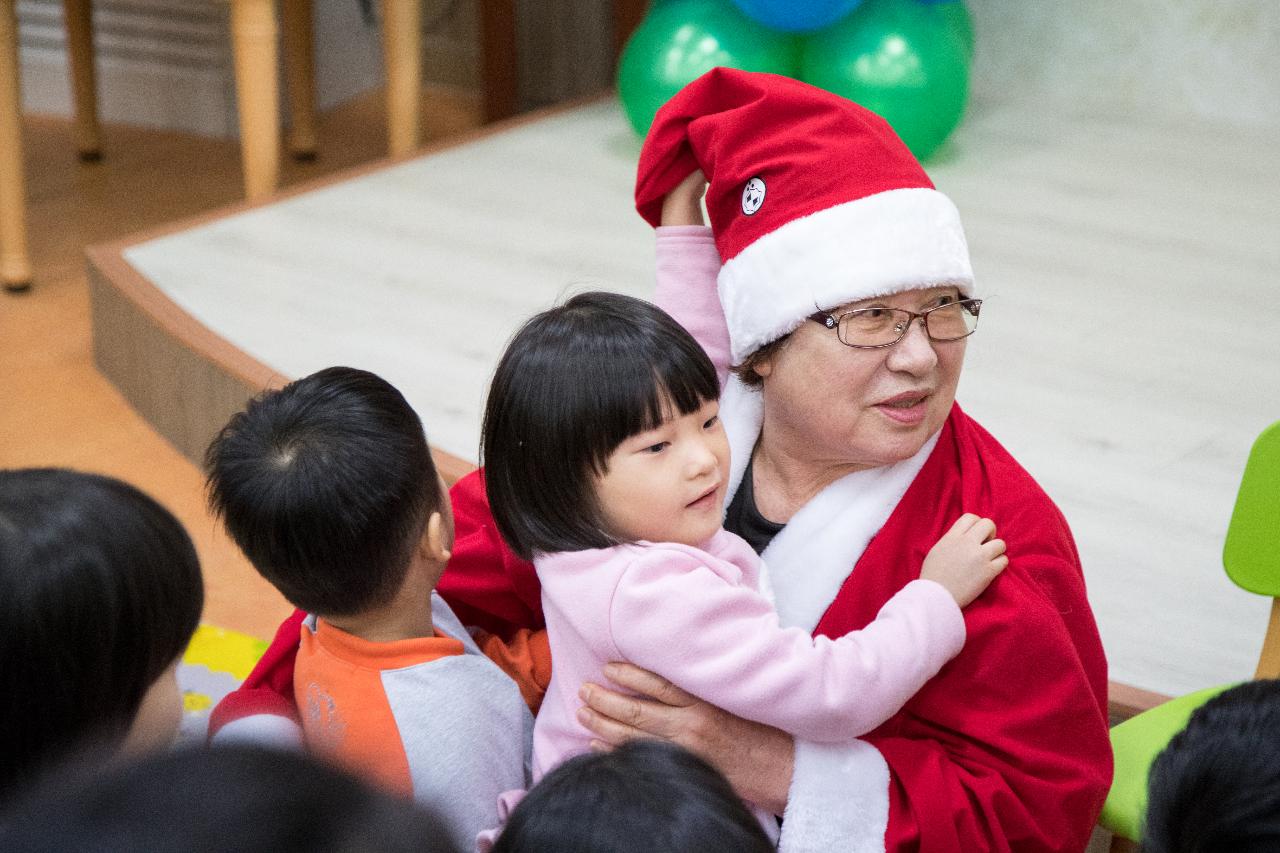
<point>436,541</point>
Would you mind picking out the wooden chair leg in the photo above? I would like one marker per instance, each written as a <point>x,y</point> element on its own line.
<point>78,15</point>
<point>253,38</point>
<point>15,264</point>
<point>498,58</point>
<point>1269,658</point>
<point>402,51</point>
<point>299,64</point>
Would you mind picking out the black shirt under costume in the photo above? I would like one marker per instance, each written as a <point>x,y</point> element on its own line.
<point>744,519</point>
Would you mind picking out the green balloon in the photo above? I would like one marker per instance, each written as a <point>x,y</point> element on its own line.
<point>957,14</point>
<point>899,58</point>
<point>680,40</point>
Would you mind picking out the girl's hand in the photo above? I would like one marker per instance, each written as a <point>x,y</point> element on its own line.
<point>683,205</point>
<point>755,758</point>
<point>967,558</point>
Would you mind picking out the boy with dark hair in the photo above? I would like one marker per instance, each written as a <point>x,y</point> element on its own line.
<point>328,487</point>
<point>1216,786</point>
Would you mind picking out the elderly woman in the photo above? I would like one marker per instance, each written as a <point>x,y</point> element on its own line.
<point>845,285</point>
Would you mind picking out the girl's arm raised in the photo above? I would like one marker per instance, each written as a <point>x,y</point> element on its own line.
<point>673,615</point>
<point>688,264</point>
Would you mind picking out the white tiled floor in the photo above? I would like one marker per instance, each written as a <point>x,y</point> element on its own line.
<point>1129,353</point>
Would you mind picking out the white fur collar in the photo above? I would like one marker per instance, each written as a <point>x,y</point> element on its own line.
<point>809,560</point>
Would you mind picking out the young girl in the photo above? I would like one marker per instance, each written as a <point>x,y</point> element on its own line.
<point>606,464</point>
<point>100,592</point>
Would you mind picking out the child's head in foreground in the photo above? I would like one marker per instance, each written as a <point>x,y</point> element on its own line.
<point>1216,786</point>
<point>644,796</point>
<point>100,592</point>
<point>230,799</point>
<point>328,487</point>
<point>601,427</point>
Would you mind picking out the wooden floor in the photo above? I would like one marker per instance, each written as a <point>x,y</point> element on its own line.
<point>55,408</point>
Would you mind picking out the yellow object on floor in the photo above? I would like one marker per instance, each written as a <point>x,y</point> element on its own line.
<point>222,650</point>
<point>215,663</point>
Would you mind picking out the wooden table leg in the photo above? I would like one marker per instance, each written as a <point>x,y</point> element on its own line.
<point>402,51</point>
<point>299,64</point>
<point>498,58</point>
<point>253,40</point>
<point>15,265</point>
<point>78,15</point>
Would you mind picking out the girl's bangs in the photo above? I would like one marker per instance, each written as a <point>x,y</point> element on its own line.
<point>656,383</point>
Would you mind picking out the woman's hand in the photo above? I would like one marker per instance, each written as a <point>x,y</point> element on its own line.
<point>755,758</point>
<point>683,205</point>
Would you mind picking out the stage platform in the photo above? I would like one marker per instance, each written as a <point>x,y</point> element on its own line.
<point>1129,350</point>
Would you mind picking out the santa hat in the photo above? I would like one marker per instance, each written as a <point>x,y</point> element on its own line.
<point>814,200</point>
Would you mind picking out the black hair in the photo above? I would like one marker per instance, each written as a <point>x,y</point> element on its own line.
<point>227,799</point>
<point>574,383</point>
<point>643,797</point>
<point>100,592</point>
<point>1216,786</point>
<point>326,485</point>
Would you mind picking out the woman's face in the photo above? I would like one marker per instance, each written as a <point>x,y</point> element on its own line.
<point>833,405</point>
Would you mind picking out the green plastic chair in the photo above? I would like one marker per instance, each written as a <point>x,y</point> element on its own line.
<point>1251,556</point>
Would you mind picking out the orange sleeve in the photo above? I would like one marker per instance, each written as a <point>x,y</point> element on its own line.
<point>526,658</point>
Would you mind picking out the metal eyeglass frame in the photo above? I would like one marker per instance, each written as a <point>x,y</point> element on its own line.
<point>832,322</point>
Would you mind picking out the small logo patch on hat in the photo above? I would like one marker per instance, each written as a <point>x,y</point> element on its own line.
<point>752,196</point>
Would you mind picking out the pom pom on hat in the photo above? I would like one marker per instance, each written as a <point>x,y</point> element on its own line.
<point>814,201</point>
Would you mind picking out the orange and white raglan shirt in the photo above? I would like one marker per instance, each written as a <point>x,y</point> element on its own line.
<point>433,717</point>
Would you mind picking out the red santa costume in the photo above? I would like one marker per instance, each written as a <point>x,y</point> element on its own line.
<point>814,203</point>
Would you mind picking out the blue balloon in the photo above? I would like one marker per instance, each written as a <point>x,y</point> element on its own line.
<point>796,16</point>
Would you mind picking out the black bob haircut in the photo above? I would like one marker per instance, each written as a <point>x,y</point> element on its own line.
<point>100,592</point>
<point>643,797</point>
<point>228,799</point>
<point>574,383</point>
<point>1216,786</point>
<point>326,485</point>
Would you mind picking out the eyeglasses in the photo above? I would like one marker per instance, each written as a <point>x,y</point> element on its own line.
<point>874,328</point>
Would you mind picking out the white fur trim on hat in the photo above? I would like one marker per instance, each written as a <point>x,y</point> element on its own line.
<point>885,243</point>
